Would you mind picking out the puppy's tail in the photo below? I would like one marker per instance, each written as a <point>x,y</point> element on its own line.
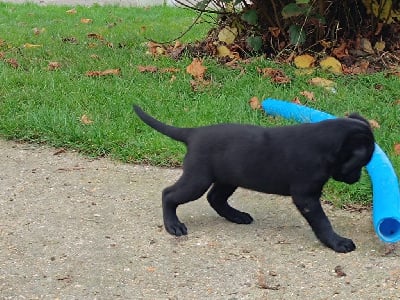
<point>176,133</point>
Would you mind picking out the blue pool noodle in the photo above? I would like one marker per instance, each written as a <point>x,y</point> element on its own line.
<point>385,185</point>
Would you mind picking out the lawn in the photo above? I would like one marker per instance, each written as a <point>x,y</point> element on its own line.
<point>67,108</point>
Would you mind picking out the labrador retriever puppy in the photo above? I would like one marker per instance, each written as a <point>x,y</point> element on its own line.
<point>291,160</point>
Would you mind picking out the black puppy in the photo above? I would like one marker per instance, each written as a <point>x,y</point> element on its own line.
<point>291,160</point>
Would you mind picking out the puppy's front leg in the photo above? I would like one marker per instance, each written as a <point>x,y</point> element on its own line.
<point>311,209</point>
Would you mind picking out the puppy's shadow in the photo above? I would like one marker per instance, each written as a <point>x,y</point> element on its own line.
<point>274,216</point>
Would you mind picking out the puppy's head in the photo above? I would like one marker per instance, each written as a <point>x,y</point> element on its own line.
<point>355,150</point>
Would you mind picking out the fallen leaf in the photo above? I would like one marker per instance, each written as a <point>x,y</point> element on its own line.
<point>173,78</point>
<point>54,65</point>
<point>151,269</point>
<point>339,271</point>
<point>380,46</point>
<point>228,35</point>
<point>331,64</point>
<point>71,11</point>
<point>96,36</point>
<point>397,149</point>
<point>327,84</point>
<point>277,76</point>
<point>340,51</point>
<point>322,82</point>
<point>103,73</point>
<point>12,62</point>
<point>304,61</point>
<point>94,56</point>
<point>196,69</point>
<point>151,69</point>
<point>326,44</point>
<point>296,100</point>
<point>275,31</point>
<point>255,103</point>
<point>85,120</point>
<point>28,45</point>
<point>37,31</point>
<point>86,21</point>
<point>223,51</point>
<point>379,28</point>
<point>366,46</point>
<point>374,124</point>
<point>70,39</point>
<point>309,95</point>
<point>59,151</point>
<point>155,48</point>
<point>92,45</point>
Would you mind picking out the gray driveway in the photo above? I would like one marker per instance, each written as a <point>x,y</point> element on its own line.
<point>79,228</point>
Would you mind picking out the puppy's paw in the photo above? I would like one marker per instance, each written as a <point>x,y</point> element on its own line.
<point>175,228</point>
<point>342,245</point>
<point>239,217</point>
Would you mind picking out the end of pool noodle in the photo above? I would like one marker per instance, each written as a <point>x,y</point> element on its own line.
<point>385,185</point>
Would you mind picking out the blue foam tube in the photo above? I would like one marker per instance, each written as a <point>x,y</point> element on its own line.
<point>385,185</point>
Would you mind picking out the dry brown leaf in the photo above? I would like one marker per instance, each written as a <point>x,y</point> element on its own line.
<point>374,124</point>
<point>309,95</point>
<point>85,120</point>
<point>379,27</point>
<point>339,271</point>
<point>71,11</point>
<point>70,39</point>
<point>12,62</point>
<point>54,65</point>
<point>196,69</point>
<point>277,76</point>
<point>37,31</point>
<point>103,73</point>
<point>397,149</point>
<point>275,31</point>
<point>96,36</point>
<point>255,103</point>
<point>94,56</point>
<point>340,51</point>
<point>322,82</point>
<point>296,100</point>
<point>155,48</point>
<point>151,269</point>
<point>326,44</point>
<point>151,69</point>
<point>86,21</point>
<point>304,61</point>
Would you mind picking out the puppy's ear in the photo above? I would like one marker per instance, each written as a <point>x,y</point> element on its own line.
<point>360,118</point>
<point>356,152</point>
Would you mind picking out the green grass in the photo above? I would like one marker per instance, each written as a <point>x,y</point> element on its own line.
<point>39,105</point>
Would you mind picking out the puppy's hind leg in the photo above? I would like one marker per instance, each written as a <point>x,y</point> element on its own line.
<point>218,199</point>
<point>184,190</point>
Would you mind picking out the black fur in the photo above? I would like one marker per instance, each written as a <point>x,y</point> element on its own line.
<point>291,160</point>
